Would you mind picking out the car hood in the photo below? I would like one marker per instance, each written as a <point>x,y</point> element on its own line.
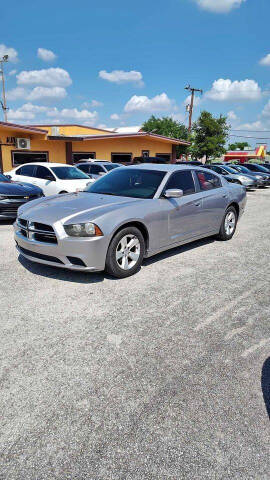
<point>18,188</point>
<point>68,208</point>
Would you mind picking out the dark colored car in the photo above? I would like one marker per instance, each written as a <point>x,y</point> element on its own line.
<point>193,162</point>
<point>15,194</point>
<point>254,167</point>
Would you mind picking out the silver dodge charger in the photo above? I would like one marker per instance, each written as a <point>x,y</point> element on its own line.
<point>131,213</point>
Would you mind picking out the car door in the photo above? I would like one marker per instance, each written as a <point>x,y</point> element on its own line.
<point>214,198</point>
<point>184,214</point>
<point>45,179</point>
<point>24,173</point>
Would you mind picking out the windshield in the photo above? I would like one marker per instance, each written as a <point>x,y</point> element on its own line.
<point>256,168</point>
<point>69,173</point>
<point>3,178</point>
<point>228,169</point>
<point>111,166</point>
<point>129,182</point>
<point>239,168</point>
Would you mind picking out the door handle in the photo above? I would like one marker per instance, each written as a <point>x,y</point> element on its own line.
<point>225,195</point>
<point>197,204</point>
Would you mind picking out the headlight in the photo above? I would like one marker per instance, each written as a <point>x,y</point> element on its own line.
<point>83,230</point>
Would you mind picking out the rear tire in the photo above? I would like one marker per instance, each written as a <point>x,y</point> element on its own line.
<point>62,193</point>
<point>125,253</point>
<point>228,226</point>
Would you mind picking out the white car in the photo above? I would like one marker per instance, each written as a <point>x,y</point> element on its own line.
<point>52,178</point>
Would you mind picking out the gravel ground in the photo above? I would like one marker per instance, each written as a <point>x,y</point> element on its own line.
<point>165,375</point>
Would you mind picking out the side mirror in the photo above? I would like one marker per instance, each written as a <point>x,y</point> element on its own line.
<point>8,176</point>
<point>50,178</point>
<point>102,173</point>
<point>173,193</point>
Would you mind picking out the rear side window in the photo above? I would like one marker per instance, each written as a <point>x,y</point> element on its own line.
<point>208,181</point>
<point>96,169</point>
<point>183,181</point>
<point>84,168</point>
<point>26,170</point>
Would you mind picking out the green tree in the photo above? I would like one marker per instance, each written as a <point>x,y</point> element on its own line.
<point>209,135</point>
<point>238,146</point>
<point>169,128</point>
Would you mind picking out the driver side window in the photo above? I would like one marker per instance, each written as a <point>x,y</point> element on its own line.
<point>44,173</point>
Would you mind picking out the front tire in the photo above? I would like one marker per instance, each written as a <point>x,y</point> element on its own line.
<point>125,253</point>
<point>62,193</point>
<point>228,226</point>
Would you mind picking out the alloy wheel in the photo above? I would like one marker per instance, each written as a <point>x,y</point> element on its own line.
<point>128,252</point>
<point>230,222</point>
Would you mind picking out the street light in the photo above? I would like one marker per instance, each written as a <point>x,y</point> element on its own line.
<point>4,102</point>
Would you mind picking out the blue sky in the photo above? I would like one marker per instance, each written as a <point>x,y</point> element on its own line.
<point>116,63</point>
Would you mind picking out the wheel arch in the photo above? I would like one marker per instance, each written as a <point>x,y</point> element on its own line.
<point>236,206</point>
<point>134,223</point>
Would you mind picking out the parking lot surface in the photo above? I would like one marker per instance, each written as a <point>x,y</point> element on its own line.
<point>164,375</point>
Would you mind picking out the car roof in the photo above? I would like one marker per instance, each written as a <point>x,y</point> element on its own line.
<point>46,164</point>
<point>164,167</point>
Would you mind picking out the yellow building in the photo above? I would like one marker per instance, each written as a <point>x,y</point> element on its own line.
<point>69,143</point>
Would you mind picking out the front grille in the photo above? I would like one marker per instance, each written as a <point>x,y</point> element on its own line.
<point>47,258</point>
<point>39,232</point>
<point>43,227</point>
<point>22,222</point>
<point>43,237</point>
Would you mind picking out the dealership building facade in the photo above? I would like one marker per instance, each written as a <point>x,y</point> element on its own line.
<point>69,143</point>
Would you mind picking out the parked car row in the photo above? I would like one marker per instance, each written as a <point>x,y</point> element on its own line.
<point>249,175</point>
<point>131,213</point>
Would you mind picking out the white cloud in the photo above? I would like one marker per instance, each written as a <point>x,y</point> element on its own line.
<point>219,6</point>
<point>27,111</point>
<point>120,76</point>
<point>39,93</point>
<point>232,115</point>
<point>46,55</point>
<point>115,116</point>
<point>253,126</point>
<point>20,115</point>
<point>265,61</point>
<point>92,104</point>
<point>142,103</point>
<point>12,72</point>
<point>50,77</point>
<point>179,117</point>
<point>16,93</point>
<point>29,107</point>
<point>36,93</point>
<point>11,52</point>
<point>72,113</point>
<point>224,90</point>
<point>197,101</point>
<point>266,110</point>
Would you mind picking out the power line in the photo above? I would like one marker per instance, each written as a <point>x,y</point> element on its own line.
<point>255,138</point>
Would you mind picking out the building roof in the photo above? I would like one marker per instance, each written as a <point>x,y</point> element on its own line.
<point>112,135</point>
<point>23,128</point>
<point>70,125</point>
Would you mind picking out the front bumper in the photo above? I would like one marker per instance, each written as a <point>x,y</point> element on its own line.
<point>89,253</point>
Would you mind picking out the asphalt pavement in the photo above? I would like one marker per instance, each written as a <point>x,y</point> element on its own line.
<point>164,375</point>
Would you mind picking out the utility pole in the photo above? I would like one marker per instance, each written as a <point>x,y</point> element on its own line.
<point>190,109</point>
<point>4,102</point>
